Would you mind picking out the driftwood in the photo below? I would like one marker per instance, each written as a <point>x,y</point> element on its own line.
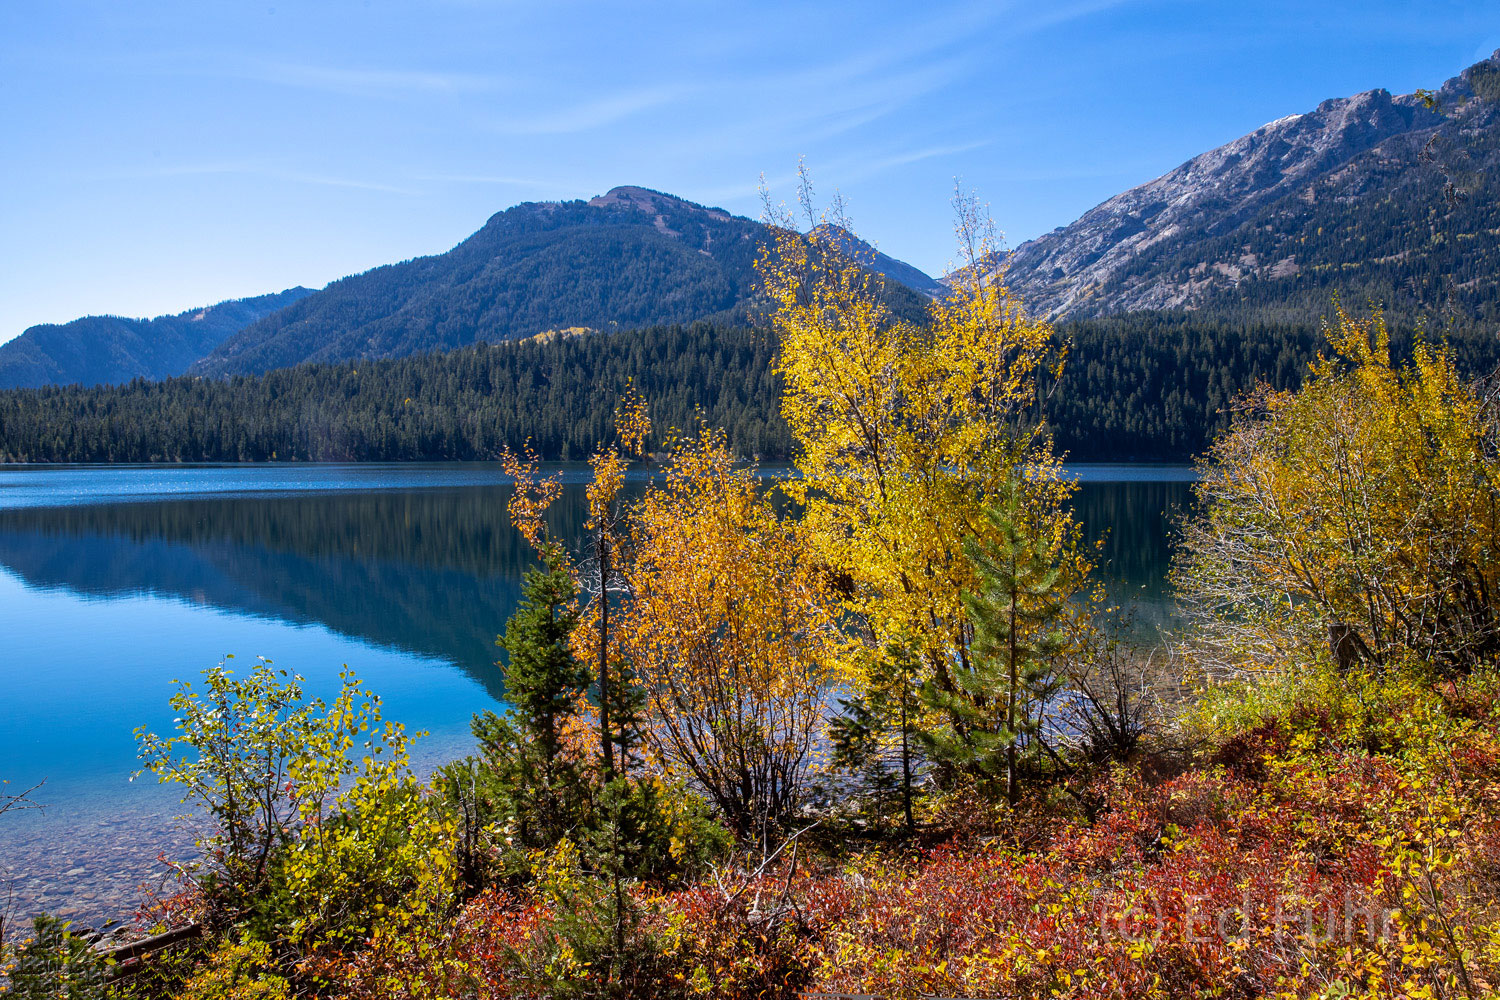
<point>121,954</point>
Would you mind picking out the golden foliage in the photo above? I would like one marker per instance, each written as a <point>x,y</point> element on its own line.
<point>532,495</point>
<point>730,632</point>
<point>909,431</point>
<point>1362,509</point>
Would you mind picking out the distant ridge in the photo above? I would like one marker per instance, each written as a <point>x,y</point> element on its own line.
<point>629,258</point>
<point>105,350</point>
<point>1372,196</point>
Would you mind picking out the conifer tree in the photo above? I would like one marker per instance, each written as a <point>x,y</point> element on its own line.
<point>542,677</point>
<point>876,736</point>
<point>544,682</point>
<point>992,710</point>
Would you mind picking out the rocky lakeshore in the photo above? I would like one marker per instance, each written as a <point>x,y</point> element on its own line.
<point>92,868</point>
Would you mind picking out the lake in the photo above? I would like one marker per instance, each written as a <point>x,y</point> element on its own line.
<point>116,580</point>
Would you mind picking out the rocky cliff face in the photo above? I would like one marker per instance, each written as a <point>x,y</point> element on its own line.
<point>1256,211</point>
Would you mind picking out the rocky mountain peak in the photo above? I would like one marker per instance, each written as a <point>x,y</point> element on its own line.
<point>656,202</point>
<point>1149,247</point>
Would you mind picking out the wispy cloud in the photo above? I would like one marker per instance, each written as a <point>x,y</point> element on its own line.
<point>255,170</point>
<point>364,81</point>
<point>351,80</point>
<point>327,180</point>
<point>803,108</point>
<point>846,169</point>
<point>588,115</point>
<point>866,166</point>
<point>1044,16</point>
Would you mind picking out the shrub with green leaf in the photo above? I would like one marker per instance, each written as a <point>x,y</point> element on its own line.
<point>322,834</point>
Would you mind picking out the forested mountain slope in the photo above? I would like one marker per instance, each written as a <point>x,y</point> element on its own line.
<point>559,394</point>
<point>626,259</point>
<point>1379,197</point>
<point>110,349</point>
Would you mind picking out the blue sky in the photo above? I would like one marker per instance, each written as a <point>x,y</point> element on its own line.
<point>163,155</point>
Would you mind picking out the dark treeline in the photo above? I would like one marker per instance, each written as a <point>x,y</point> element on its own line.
<point>1157,386</point>
<point>1144,387</point>
<point>467,404</point>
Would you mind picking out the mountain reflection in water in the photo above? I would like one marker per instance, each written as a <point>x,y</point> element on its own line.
<point>115,581</point>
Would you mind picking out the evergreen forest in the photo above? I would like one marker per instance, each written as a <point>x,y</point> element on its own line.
<point>1151,386</point>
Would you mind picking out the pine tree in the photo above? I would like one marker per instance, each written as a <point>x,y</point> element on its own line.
<point>543,682</point>
<point>542,677</point>
<point>992,707</point>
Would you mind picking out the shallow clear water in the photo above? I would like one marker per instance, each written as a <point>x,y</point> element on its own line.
<point>116,580</point>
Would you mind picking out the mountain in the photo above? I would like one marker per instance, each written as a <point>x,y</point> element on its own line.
<point>629,258</point>
<point>109,349</point>
<point>1375,196</point>
<point>896,270</point>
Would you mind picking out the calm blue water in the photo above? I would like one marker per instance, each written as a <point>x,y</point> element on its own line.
<point>116,580</point>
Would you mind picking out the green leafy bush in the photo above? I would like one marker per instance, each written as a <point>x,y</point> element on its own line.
<point>323,834</point>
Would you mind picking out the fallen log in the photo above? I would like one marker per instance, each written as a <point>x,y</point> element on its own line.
<point>121,954</point>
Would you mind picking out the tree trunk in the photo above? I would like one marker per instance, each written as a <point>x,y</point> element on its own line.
<point>606,742</point>
<point>1346,645</point>
<point>911,825</point>
<point>1012,788</point>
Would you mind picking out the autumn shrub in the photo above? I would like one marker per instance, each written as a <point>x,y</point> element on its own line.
<point>1335,840</point>
<point>1475,697</point>
<point>1206,886</point>
<point>732,634</point>
<point>588,933</point>
<point>237,971</point>
<point>743,938</point>
<point>1361,513</point>
<point>466,957</point>
<point>759,942</point>
<point>1380,711</point>
<point>238,753</point>
<point>323,835</point>
<point>1324,870</point>
<point>1340,580</point>
<point>1116,696</point>
<point>381,856</point>
<point>177,905</point>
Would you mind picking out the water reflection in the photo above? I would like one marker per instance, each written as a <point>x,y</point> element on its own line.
<point>1136,521</point>
<point>114,581</point>
<point>431,572</point>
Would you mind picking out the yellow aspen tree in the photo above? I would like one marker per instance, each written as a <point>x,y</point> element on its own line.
<point>730,632</point>
<point>1358,517</point>
<point>909,432</point>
